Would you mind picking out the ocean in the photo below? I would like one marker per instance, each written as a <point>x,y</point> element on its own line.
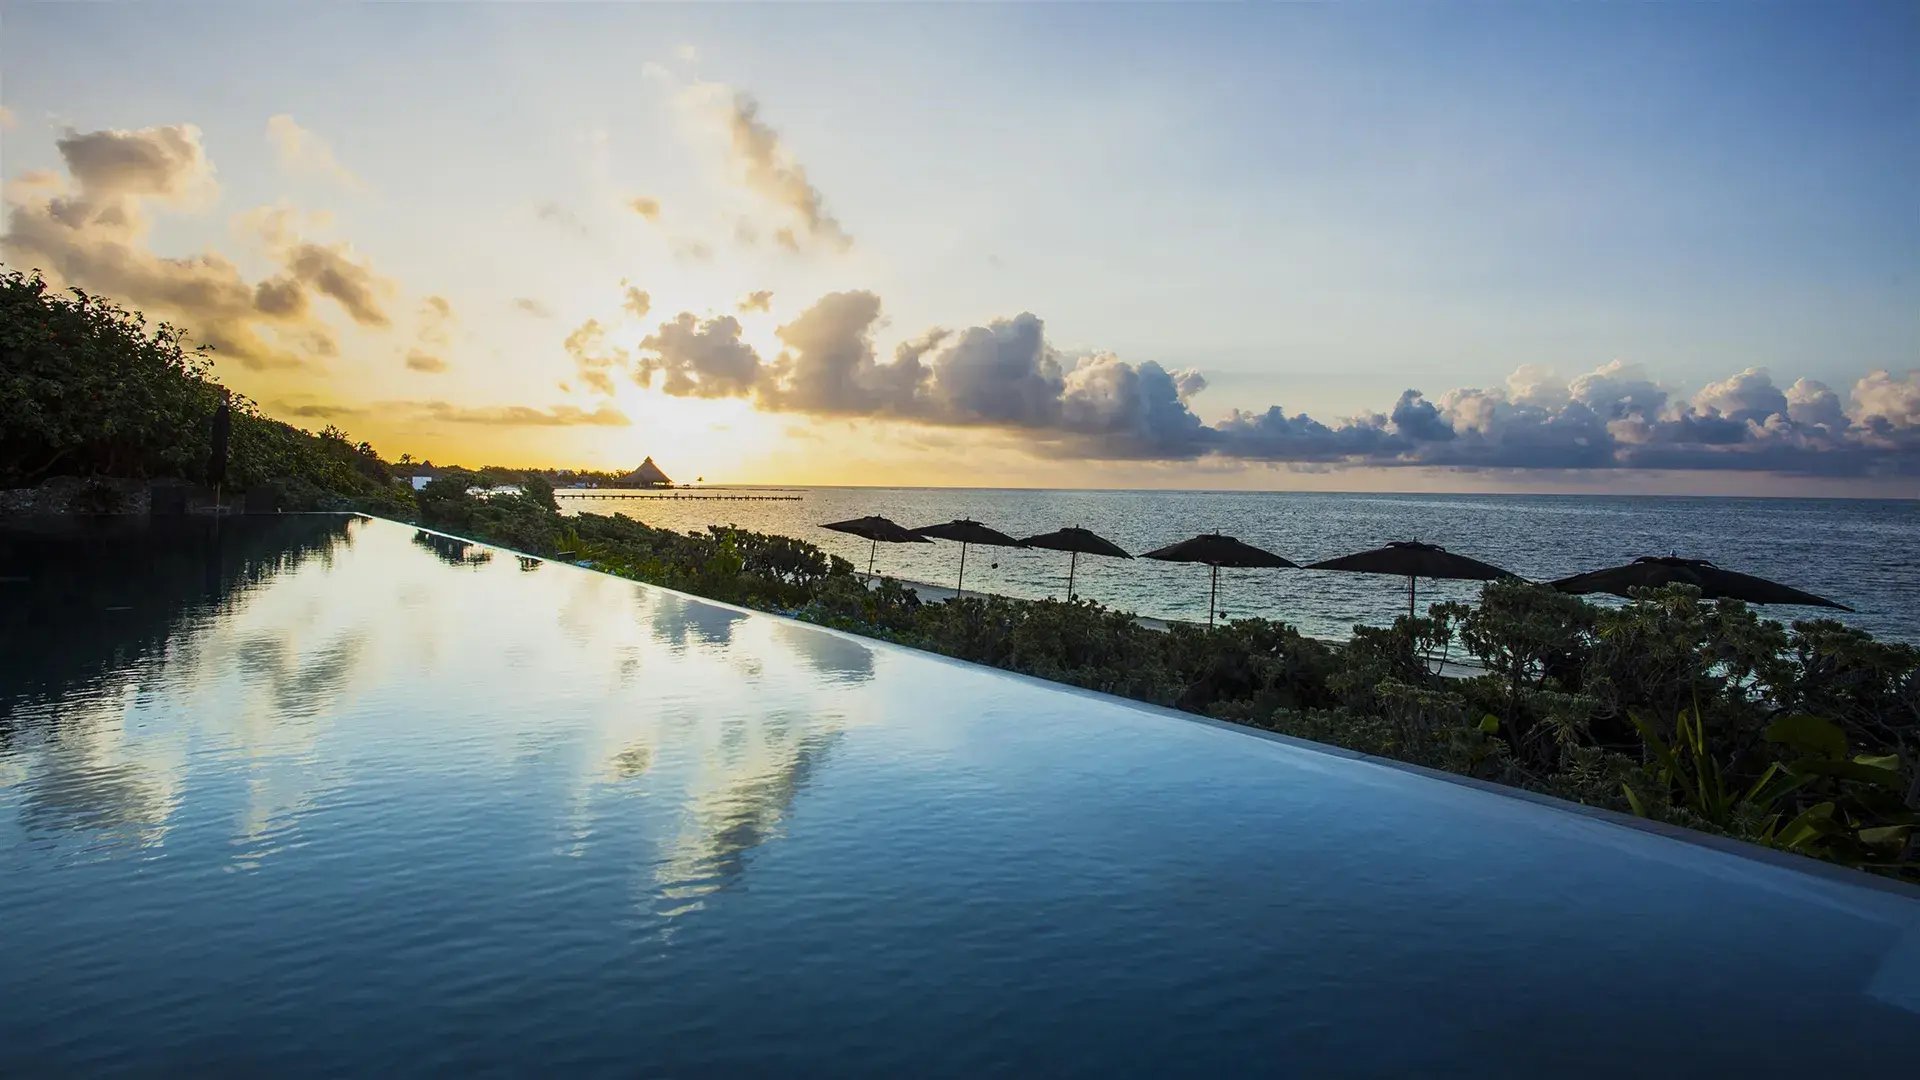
<point>1863,553</point>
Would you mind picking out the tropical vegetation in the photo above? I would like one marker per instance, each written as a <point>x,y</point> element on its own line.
<point>89,389</point>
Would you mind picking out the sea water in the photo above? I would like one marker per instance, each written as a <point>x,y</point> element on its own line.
<point>1862,553</point>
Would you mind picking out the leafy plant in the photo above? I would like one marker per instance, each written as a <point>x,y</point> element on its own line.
<point>1862,818</point>
<point>1697,781</point>
<point>90,389</point>
<point>1817,801</point>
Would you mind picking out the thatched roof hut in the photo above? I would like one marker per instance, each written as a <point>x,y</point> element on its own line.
<point>647,475</point>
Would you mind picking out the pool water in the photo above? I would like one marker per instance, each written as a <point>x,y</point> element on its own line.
<point>312,794</point>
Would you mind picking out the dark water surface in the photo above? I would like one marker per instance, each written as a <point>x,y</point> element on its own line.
<point>1863,553</point>
<point>306,795</point>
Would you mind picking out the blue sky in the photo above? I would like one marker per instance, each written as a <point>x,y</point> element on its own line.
<point>1316,206</point>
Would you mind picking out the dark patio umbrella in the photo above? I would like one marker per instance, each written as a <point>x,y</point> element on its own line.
<point>217,458</point>
<point>967,531</point>
<point>1413,560</point>
<point>1714,583</point>
<point>880,531</point>
<point>1079,541</point>
<point>1217,551</point>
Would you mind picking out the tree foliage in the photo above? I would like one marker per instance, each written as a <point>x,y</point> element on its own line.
<point>90,389</point>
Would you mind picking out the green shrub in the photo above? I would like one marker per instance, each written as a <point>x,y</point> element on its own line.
<point>90,389</point>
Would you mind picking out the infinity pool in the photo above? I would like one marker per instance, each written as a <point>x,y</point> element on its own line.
<point>312,794</point>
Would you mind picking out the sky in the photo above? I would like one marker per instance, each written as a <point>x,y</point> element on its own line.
<point>1460,247</point>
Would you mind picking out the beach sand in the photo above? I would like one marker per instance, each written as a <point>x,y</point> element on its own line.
<point>935,594</point>
<point>1452,667</point>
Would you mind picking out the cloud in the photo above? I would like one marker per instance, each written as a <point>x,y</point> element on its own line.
<point>332,271</point>
<point>1002,374</point>
<point>767,168</point>
<point>435,411</point>
<point>1617,390</point>
<point>1536,385</point>
<point>692,251</point>
<point>6,118</point>
<point>646,206</point>
<point>1750,395</point>
<point>91,228</point>
<point>435,334</point>
<point>758,300</point>
<point>280,225</point>
<point>280,298</point>
<point>1882,399</point>
<point>302,152</point>
<point>637,302</point>
<point>1815,404</point>
<point>1133,411</point>
<point>698,359</point>
<point>594,359</point>
<point>1275,436</point>
<point>313,410</point>
<point>527,305</point>
<point>517,415</point>
<point>1005,376</point>
<point>828,366</point>
<point>111,167</point>
<point>1419,419</point>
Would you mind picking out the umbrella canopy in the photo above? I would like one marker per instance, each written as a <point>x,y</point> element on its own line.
<point>1217,551</point>
<point>1077,540</point>
<point>1714,583</point>
<point>967,531</point>
<point>1080,542</point>
<point>1414,560</point>
<point>879,530</point>
<point>1410,558</point>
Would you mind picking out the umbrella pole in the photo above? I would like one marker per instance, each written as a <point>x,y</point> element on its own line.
<point>1073,563</point>
<point>1212,597</point>
<point>871,552</point>
<point>960,585</point>
<point>1410,583</point>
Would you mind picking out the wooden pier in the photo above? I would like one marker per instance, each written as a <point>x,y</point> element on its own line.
<point>628,493</point>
